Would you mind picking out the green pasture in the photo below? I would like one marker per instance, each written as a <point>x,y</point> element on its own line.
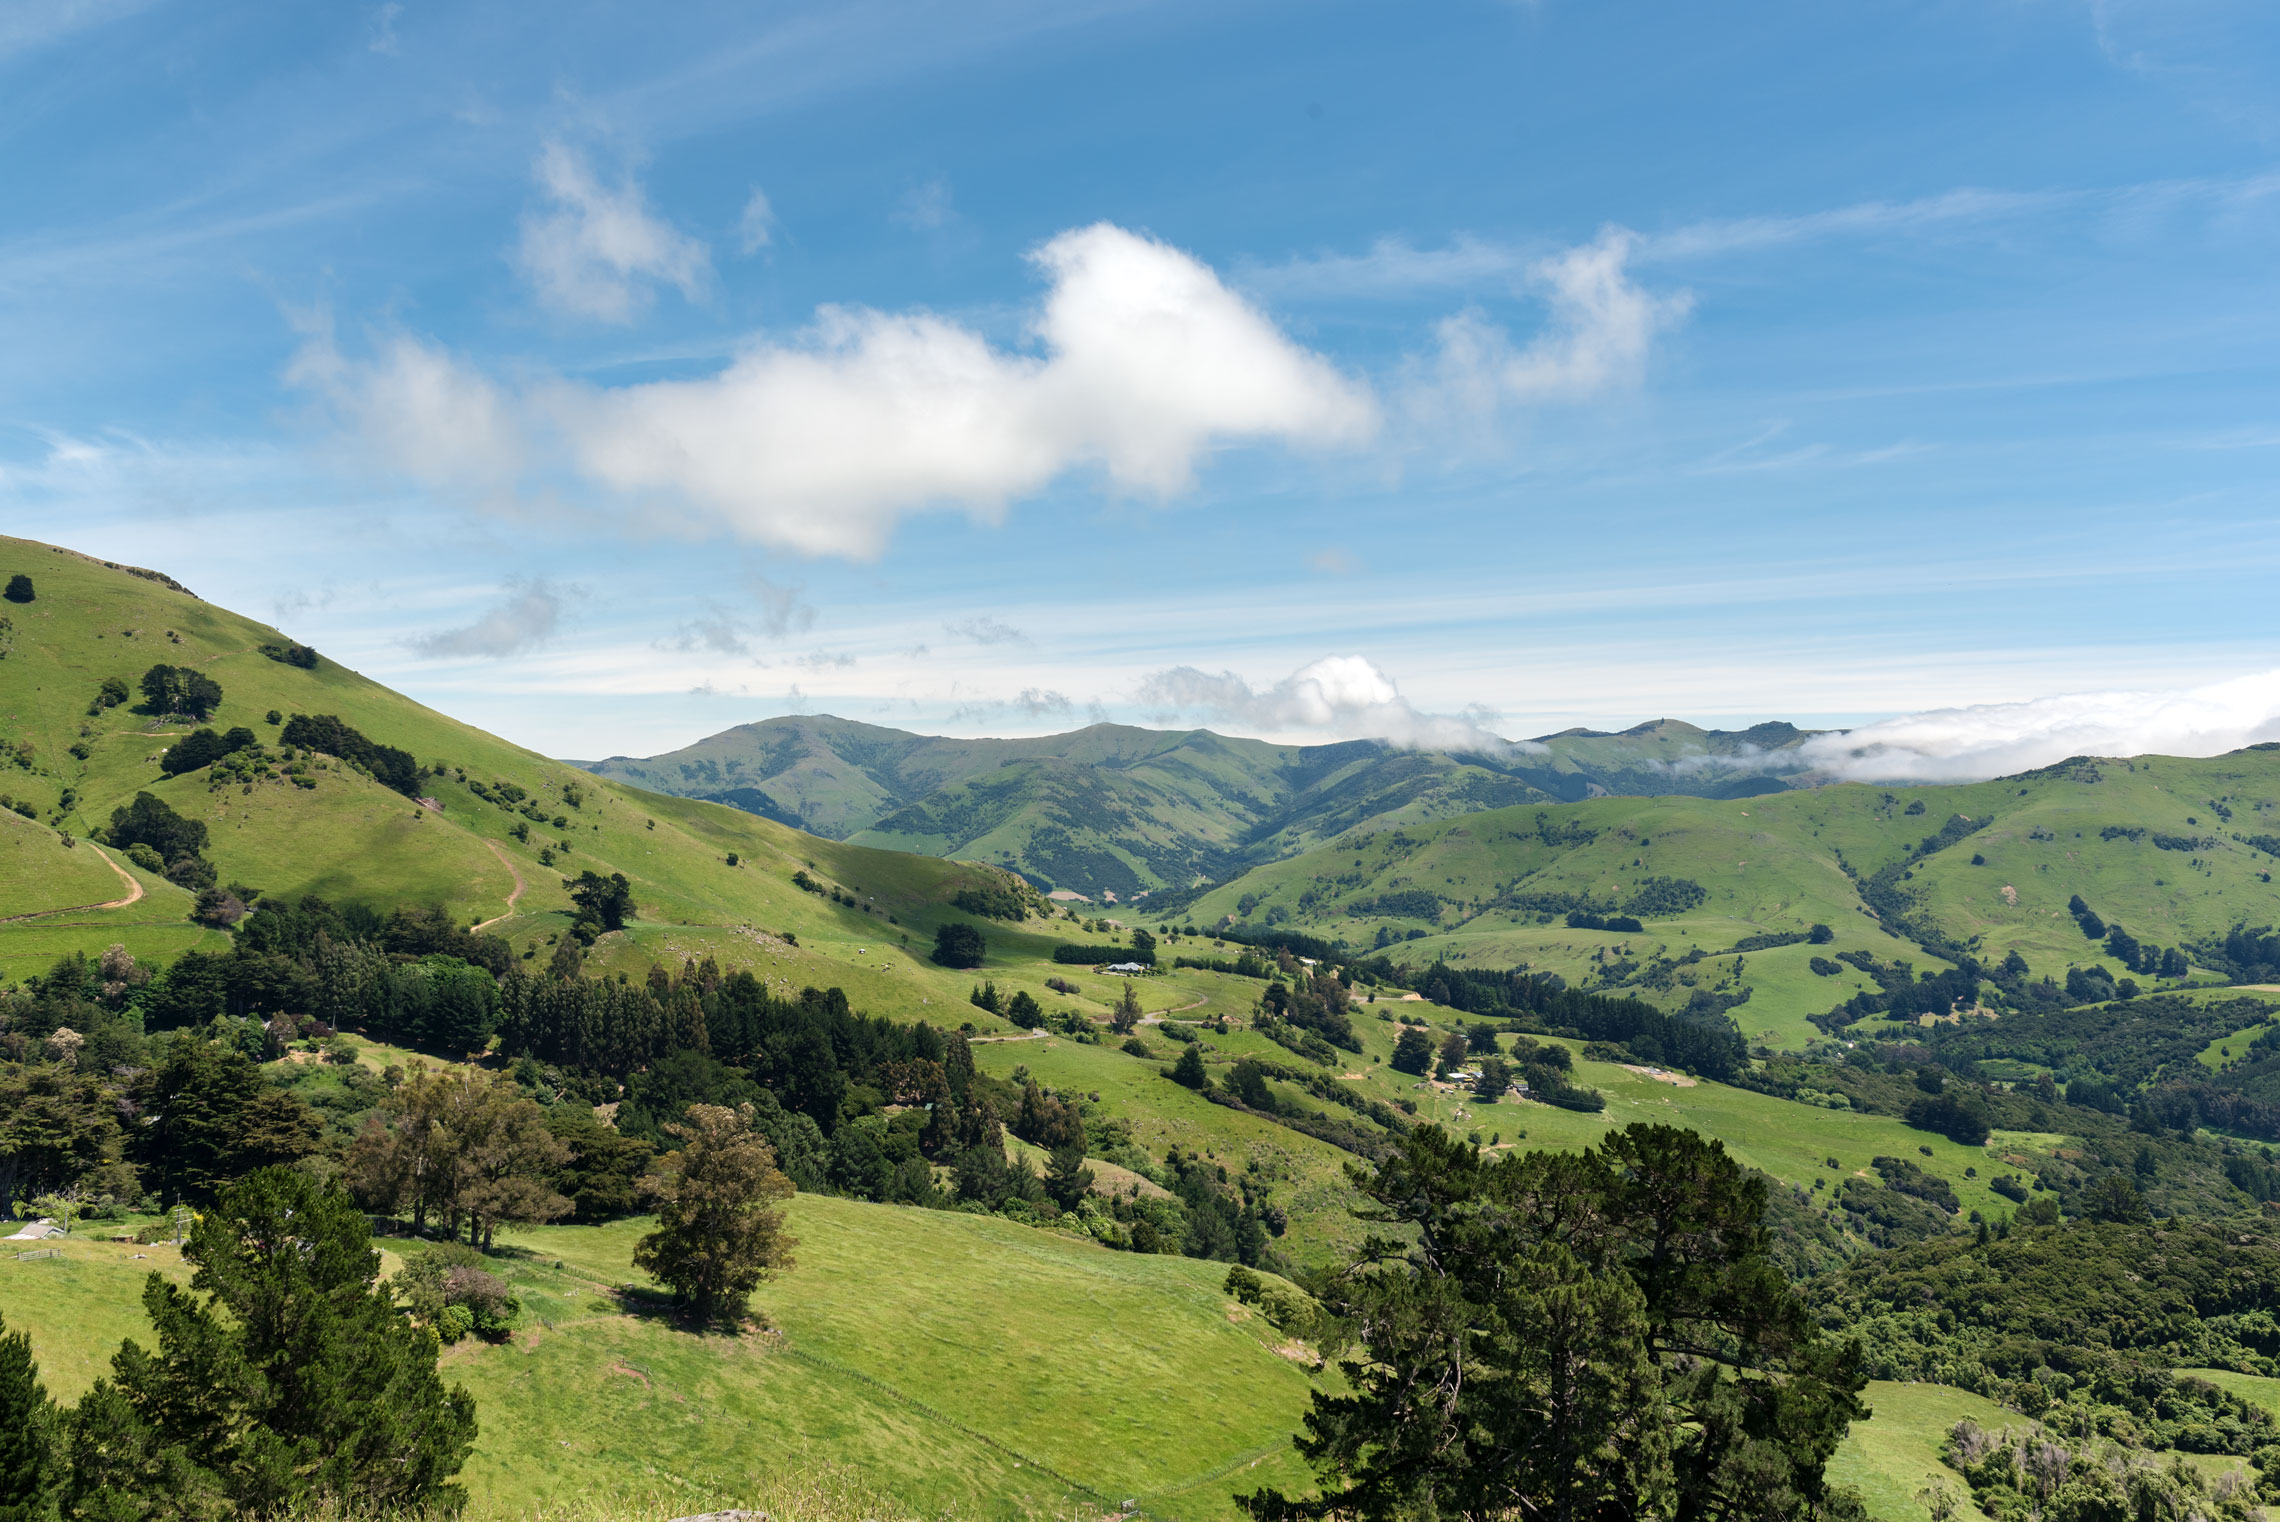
<point>1020,1361</point>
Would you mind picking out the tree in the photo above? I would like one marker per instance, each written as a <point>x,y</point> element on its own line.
<point>1188,1071</point>
<point>462,1148</point>
<point>1067,1179</point>
<point>19,588</point>
<point>151,821</point>
<point>602,1178</point>
<point>1413,1052</point>
<point>180,689</point>
<point>1570,1337</point>
<point>284,1378</point>
<point>27,1432</point>
<point>1495,1077</point>
<point>959,946</point>
<point>1125,1018</point>
<point>720,1228</point>
<point>608,901</point>
<point>212,1116</point>
<point>1143,947</point>
<point>56,1126</point>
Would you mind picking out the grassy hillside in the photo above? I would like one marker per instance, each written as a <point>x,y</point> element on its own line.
<point>2155,843</point>
<point>1111,809</point>
<point>351,839</point>
<point>1020,1362</point>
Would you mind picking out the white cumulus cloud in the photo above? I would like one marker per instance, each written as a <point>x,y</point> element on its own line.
<point>823,443</point>
<point>1343,697</point>
<point>595,250</point>
<point>1994,739</point>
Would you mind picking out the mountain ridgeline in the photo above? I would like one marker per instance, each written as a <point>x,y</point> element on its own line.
<point>1114,809</point>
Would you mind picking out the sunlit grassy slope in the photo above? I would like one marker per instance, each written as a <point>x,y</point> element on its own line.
<point>352,840</point>
<point>1778,864</point>
<point>1022,1373</point>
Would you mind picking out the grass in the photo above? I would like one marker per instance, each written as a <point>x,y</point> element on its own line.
<point>1020,1361</point>
<point>1895,1455</point>
<point>1777,864</point>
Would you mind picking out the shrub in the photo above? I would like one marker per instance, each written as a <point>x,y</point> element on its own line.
<point>19,588</point>
<point>455,1322</point>
<point>144,857</point>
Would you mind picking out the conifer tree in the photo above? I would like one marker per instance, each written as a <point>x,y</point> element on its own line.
<point>27,1432</point>
<point>285,1377</point>
<point>1188,1071</point>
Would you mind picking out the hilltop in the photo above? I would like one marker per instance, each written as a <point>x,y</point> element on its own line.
<point>1112,809</point>
<point>461,820</point>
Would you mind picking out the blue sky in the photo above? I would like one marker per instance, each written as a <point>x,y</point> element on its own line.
<point>608,375</point>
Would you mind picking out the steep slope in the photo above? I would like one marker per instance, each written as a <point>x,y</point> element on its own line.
<point>1113,809</point>
<point>495,831</point>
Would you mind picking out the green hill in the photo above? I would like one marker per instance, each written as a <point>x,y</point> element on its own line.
<point>1116,810</point>
<point>2168,847</point>
<point>492,837</point>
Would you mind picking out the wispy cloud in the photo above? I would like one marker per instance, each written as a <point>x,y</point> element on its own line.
<point>530,616</point>
<point>984,630</point>
<point>1992,739</point>
<point>1601,327</point>
<point>926,208</point>
<point>756,229</point>
<point>596,250</point>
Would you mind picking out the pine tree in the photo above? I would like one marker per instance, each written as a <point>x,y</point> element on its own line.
<point>285,1377</point>
<point>1188,1071</point>
<point>27,1432</point>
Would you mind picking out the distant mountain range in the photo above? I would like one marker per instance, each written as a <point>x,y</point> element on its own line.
<point>1112,809</point>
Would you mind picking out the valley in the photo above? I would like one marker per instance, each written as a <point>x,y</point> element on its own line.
<point>1917,1018</point>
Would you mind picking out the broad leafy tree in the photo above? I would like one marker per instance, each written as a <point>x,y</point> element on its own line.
<point>959,946</point>
<point>284,1378</point>
<point>720,1218</point>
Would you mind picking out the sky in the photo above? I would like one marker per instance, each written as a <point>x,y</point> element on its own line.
<point>608,375</point>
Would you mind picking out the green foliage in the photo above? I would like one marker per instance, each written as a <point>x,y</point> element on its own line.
<point>283,1377</point>
<point>1189,1071</point>
<point>719,1215</point>
<point>958,946</point>
<point>291,654</point>
<point>2080,1325</point>
<point>388,765</point>
<point>995,898</point>
<point>150,820</point>
<point>19,588</point>
<point>180,689</point>
<point>606,902</point>
<point>210,1117</point>
<point>28,1461</point>
<point>1602,1331</point>
<point>2022,1473</point>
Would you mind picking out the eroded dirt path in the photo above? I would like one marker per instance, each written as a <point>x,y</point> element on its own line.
<point>134,894</point>
<point>512,871</point>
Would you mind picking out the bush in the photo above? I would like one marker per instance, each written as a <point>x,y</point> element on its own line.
<point>19,588</point>
<point>1824,968</point>
<point>959,946</point>
<point>144,857</point>
<point>455,1322</point>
